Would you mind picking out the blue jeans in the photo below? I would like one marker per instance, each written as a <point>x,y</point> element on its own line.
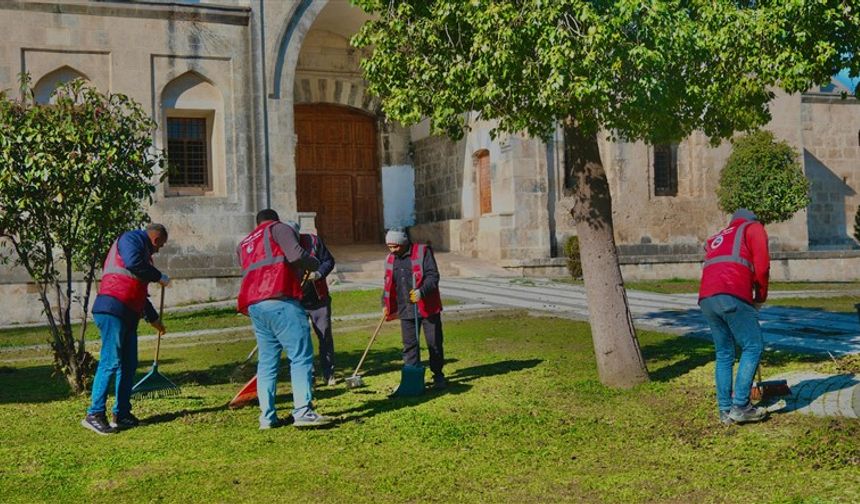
<point>282,324</point>
<point>118,357</point>
<point>733,322</point>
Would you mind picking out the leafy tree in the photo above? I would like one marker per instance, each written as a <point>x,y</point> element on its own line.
<point>763,175</point>
<point>653,70</point>
<point>73,176</point>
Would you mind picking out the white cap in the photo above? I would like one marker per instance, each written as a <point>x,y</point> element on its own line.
<point>396,237</point>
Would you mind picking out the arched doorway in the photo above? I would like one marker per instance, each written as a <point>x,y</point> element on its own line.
<point>337,172</point>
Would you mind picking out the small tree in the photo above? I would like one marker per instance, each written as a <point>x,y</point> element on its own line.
<point>763,175</point>
<point>73,175</point>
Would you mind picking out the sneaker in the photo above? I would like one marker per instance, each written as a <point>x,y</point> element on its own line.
<point>748,413</point>
<point>439,382</point>
<point>331,381</point>
<point>310,418</point>
<point>127,421</point>
<point>270,425</point>
<point>725,419</point>
<point>98,423</point>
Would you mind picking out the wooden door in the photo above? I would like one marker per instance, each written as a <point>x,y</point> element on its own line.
<point>485,186</point>
<point>337,173</point>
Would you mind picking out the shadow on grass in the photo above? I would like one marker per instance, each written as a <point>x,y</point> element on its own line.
<point>688,354</point>
<point>691,353</point>
<point>175,415</point>
<point>34,384</point>
<point>459,382</point>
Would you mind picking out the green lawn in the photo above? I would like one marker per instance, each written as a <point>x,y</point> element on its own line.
<point>524,419</point>
<point>343,303</point>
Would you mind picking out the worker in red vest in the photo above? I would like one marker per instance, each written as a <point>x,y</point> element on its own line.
<point>411,277</point>
<point>317,301</point>
<point>121,302</point>
<point>734,284</point>
<point>273,264</point>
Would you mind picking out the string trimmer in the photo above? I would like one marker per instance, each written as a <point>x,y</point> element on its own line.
<point>155,384</point>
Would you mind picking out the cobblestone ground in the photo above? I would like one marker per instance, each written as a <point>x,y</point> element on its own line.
<point>822,395</point>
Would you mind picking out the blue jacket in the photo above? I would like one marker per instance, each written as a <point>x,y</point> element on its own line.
<point>134,247</point>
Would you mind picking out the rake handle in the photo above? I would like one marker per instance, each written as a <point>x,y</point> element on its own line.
<point>369,344</point>
<point>158,338</point>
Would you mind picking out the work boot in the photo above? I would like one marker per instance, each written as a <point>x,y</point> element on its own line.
<point>126,421</point>
<point>725,419</point>
<point>98,423</point>
<point>310,418</point>
<point>748,413</point>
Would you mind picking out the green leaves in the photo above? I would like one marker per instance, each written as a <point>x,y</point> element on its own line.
<point>764,176</point>
<point>654,70</point>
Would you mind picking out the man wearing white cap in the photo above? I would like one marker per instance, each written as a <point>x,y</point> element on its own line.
<point>412,277</point>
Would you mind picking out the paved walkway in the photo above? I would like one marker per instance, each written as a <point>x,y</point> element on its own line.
<point>805,330</point>
<point>822,395</point>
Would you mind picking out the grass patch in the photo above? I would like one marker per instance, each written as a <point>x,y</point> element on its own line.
<point>343,303</point>
<point>525,418</point>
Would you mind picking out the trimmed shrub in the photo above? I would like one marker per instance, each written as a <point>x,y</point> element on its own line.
<point>763,175</point>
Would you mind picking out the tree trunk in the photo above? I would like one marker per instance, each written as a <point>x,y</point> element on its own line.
<point>619,359</point>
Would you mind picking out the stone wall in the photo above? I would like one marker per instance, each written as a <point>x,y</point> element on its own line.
<point>831,154</point>
<point>438,179</point>
<point>649,224</point>
<point>190,46</point>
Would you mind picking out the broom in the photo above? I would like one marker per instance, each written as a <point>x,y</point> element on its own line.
<point>762,390</point>
<point>155,384</point>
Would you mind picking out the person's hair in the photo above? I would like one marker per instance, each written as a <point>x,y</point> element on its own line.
<point>159,228</point>
<point>267,214</point>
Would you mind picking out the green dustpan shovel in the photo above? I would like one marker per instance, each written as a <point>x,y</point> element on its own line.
<point>412,376</point>
<point>411,381</point>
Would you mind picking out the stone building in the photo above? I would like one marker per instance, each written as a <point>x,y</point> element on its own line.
<point>261,103</point>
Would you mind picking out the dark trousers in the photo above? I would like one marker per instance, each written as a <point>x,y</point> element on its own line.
<point>321,322</point>
<point>432,329</point>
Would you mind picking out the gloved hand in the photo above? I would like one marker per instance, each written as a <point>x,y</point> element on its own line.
<point>414,295</point>
<point>164,281</point>
<point>314,275</point>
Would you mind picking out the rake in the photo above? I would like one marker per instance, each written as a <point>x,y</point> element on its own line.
<point>155,384</point>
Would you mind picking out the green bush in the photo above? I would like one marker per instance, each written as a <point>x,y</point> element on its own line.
<point>763,175</point>
<point>571,251</point>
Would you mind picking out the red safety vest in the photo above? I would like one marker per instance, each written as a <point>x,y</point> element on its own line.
<point>430,304</point>
<point>728,266</point>
<point>122,284</point>
<point>266,274</point>
<point>309,243</point>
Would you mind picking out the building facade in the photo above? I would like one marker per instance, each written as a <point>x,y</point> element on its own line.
<point>261,103</point>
